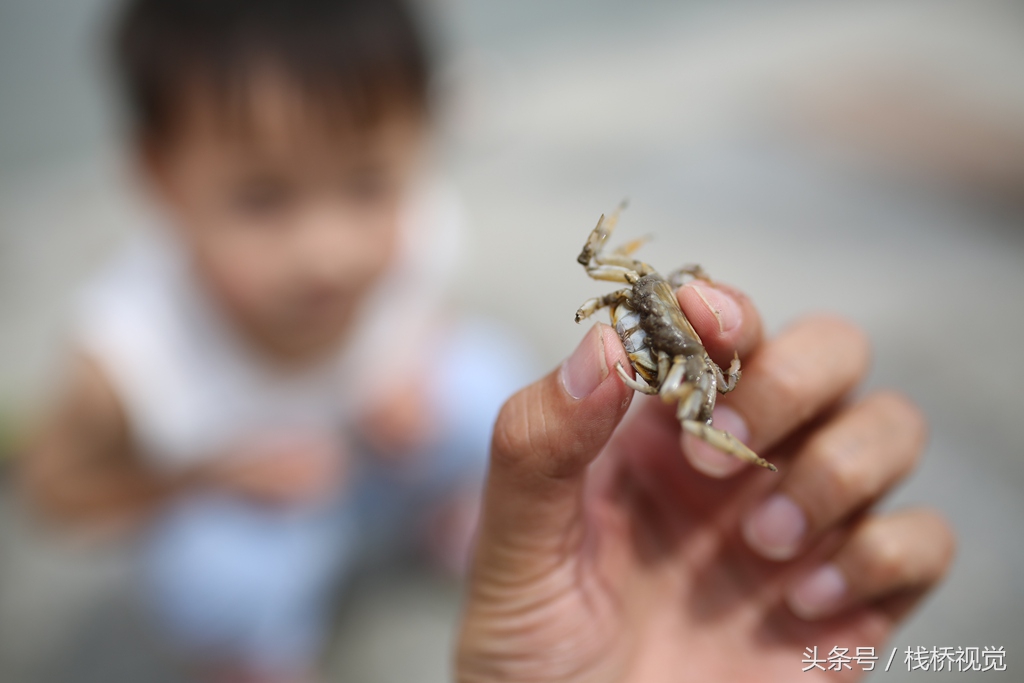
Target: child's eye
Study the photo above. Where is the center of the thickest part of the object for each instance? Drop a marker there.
(262, 198)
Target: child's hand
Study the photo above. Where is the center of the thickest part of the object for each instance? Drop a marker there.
(281, 469)
(662, 561)
(401, 422)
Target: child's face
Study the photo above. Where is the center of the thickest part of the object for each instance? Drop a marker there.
(289, 220)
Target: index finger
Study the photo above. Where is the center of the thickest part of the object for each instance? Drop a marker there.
(724, 318)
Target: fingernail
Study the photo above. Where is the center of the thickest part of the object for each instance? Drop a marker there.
(585, 369)
(818, 594)
(707, 459)
(776, 527)
(721, 305)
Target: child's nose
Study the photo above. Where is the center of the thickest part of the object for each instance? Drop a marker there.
(329, 252)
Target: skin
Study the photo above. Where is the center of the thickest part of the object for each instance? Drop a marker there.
(607, 552)
(289, 216)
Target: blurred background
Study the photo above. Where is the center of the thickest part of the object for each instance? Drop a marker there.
(865, 158)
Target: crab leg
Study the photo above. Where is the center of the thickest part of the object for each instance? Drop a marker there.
(616, 266)
(622, 261)
(613, 273)
(592, 306)
(664, 363)
(675, 278)
(690, 401)
(599, 235)
(628, 248)
(632, 383)
(672, 381)
(727, 381)
(726, 442)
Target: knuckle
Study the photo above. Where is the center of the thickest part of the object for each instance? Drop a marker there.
(941, 539)
(789, 385)
(849, 337)
(949, 546)
(848, 346)
(812, 363)
(885, 557)
(846, 476)
(901, 427)
(523, 438)
(902, 414)
(777, 387)
(512, 440)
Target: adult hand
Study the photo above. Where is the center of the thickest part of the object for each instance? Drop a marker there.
(637, 553)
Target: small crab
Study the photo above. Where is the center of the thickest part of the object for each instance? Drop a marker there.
(662, 345)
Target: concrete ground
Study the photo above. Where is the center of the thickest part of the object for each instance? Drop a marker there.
(783, 145)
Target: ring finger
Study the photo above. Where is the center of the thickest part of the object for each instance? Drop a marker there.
(886, 556)
(842, 468)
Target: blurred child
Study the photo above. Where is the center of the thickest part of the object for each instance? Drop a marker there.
(265, 382)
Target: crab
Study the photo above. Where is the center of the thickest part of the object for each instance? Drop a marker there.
(662, 346)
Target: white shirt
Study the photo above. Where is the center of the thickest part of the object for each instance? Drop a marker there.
(191, 387)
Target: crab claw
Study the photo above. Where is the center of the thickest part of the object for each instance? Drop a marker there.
(726, 442)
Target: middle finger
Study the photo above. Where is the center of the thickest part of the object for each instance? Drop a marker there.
(789, 380)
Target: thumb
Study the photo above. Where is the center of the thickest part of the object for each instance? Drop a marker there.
(545, 437)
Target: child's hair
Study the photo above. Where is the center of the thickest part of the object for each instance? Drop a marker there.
(355, 57)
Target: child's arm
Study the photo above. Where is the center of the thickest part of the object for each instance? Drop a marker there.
(81, 467)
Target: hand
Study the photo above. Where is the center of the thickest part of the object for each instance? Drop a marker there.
(401, 422)
(638, 554)
(280, 469)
